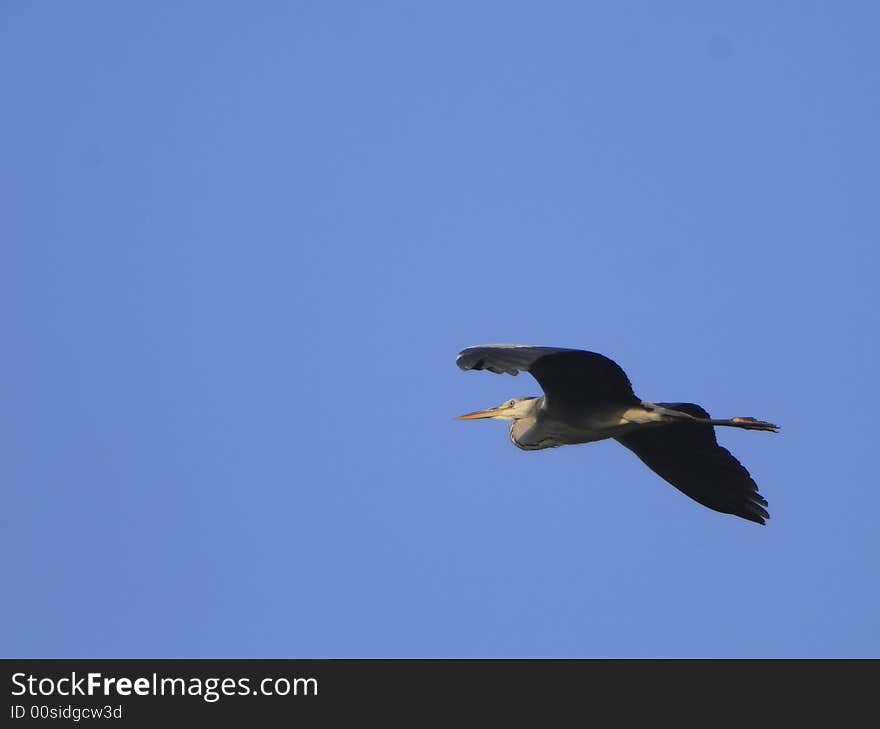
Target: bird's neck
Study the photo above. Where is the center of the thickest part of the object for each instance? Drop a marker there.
(522, 429)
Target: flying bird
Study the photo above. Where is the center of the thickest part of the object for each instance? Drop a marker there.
(588, 397)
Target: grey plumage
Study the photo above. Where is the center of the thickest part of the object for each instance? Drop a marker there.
(588, 397)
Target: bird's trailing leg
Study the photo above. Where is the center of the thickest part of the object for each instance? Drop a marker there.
(746, 423)
(670, 414)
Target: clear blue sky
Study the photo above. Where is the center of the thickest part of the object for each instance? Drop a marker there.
(242, 244)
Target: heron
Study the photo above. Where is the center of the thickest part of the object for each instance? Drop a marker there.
(588, 397)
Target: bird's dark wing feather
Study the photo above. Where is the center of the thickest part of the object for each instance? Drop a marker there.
(503, 358)
(572, 376)
(688, 456)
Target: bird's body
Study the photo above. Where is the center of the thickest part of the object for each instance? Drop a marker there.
(588, 397)
(538, 425)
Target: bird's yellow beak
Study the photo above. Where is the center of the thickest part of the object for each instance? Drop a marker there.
(490, 413)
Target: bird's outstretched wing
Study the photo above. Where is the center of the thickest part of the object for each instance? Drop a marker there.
(570, 376)
(688, 456)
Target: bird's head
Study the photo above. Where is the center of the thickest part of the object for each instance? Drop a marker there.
(514, 409)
